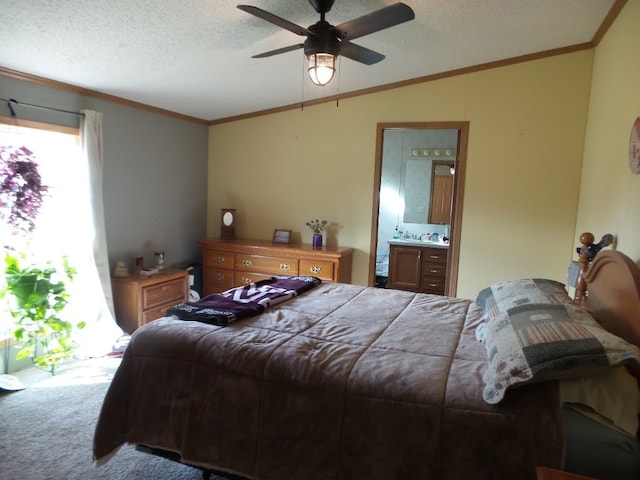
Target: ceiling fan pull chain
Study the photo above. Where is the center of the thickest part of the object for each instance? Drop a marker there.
(302, 86)
(338, 92)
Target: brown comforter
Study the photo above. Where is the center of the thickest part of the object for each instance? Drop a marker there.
(343, 382)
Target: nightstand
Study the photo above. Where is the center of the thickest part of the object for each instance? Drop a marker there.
(139, 299)
(545, 473)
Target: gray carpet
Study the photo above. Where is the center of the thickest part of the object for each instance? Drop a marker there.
(46, 430)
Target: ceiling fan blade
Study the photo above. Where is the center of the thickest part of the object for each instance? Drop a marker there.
(278, 51)
(375, 21)
(321, 6)
(271, 18)
(359, 54)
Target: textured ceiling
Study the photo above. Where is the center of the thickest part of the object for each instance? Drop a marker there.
(194, 56)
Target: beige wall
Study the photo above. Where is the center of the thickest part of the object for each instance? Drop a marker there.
(610, 194)
(527, 125)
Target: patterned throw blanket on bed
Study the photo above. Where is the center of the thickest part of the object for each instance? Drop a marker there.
(227, 307)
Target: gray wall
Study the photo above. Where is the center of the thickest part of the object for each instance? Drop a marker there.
(155, 172)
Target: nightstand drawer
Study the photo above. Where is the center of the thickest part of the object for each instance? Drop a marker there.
(157, 312)
(266, 265)
(153, 295)
(317, 268)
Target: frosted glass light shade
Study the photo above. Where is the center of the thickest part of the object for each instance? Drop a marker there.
(321, 68)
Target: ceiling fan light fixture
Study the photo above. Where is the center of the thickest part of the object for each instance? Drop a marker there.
(322, 67)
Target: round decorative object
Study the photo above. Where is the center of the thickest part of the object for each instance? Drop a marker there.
(228, 224)
(634, 148)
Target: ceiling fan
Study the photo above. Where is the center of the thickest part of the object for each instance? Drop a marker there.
(325, 42)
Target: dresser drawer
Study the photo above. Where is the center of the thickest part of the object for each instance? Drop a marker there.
(158, 293)
(245, 278)
(158, 311)
(266, 265)
(217, 259)
(217, 280)
(317, 268)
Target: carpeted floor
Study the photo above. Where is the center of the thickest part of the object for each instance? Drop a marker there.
(46, 430)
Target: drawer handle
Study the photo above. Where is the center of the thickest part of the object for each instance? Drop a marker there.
(433, 284)
(285, 266)
(219, 259)
(247, 263)
(433, 270)
(315, 269)
(435, 257)
(219, 276)
(245, 280)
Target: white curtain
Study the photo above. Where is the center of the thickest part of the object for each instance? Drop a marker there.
(98, 337)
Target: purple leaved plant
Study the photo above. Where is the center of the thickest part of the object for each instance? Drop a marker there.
(21, 188)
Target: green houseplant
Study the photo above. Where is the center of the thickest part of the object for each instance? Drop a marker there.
(39, 291)
(40, 294)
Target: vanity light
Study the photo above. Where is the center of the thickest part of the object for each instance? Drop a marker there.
(433, 152)
(322, 67)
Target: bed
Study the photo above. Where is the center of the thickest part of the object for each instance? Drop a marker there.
(348, 382)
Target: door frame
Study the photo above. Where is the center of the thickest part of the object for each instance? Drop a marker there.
(455, 227)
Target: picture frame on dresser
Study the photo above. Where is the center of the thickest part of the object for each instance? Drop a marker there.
(138, 264)
(281, 236)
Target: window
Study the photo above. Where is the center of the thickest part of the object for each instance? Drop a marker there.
(63, 226)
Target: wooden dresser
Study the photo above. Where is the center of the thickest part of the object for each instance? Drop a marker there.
(139, 299)
(231, 263)
(418, 269)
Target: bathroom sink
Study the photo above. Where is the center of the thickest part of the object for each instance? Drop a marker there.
(417, 242)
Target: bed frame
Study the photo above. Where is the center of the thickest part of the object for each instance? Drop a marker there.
(614, 294)
(206, 473)
(608, 285)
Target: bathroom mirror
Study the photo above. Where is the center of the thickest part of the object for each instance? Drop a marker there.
(425, 187)
(418, 189)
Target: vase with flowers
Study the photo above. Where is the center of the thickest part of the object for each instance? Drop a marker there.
(317, 227)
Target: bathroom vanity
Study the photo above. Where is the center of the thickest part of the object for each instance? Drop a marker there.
(418, 266)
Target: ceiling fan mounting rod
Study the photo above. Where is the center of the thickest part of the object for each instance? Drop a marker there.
(322, 40)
